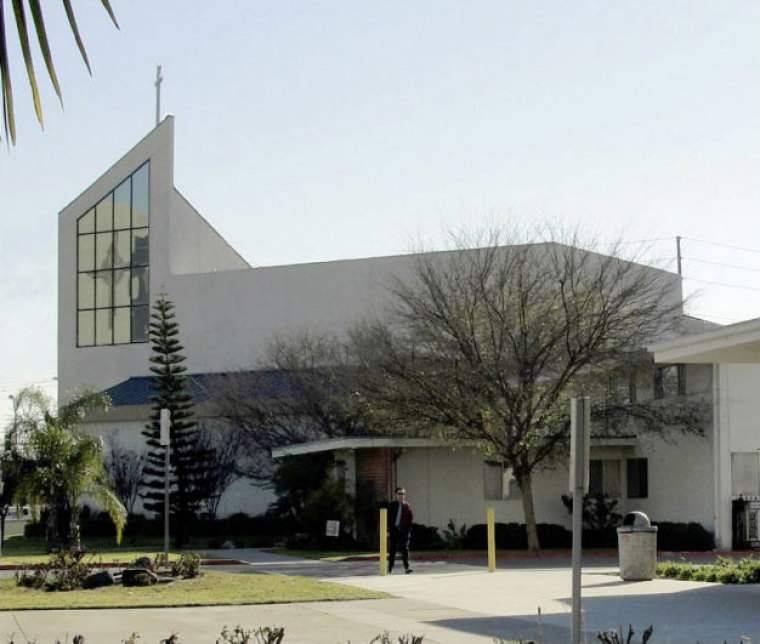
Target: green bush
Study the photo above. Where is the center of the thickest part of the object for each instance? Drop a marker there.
(187, 566)
(725, 570)
(454, 537)
(683, 536)
(425, 537)
(513, 536)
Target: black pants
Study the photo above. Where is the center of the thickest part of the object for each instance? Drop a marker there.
(399, 543)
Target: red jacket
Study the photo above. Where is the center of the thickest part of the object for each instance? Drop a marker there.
(406, 515)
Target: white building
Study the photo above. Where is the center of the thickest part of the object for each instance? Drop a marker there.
(131, 236)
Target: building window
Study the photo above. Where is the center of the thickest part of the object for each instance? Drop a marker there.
(669, 381)
(745, 474)
(604, 477)
(499, 481)
(112, 265)
(637, 477)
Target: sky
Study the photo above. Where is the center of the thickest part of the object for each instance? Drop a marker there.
(323, 130)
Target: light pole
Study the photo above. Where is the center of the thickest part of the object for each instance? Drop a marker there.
(165, 440)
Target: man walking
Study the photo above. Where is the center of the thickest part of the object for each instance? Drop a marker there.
(400, 520)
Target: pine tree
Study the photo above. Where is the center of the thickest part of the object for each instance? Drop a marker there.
(170, 391)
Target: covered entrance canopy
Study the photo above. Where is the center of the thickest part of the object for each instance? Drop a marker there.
(734, 343)
(734, 352)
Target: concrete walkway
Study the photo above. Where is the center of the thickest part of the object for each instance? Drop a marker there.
(447, 602)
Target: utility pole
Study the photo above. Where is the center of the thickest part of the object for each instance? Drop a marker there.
(166, 442)
(678, 255)
(159, 80)
(580, 443)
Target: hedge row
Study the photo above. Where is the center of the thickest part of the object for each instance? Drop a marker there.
(513, 536)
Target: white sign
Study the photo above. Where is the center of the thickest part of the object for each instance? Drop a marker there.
(580, 440)
(332, 528)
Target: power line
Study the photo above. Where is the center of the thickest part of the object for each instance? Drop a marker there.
(711, 243)
(707, 261)
(746, 288)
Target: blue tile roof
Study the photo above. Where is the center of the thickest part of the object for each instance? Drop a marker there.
(137, 390)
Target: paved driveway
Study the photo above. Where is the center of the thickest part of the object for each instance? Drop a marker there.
(447, 602)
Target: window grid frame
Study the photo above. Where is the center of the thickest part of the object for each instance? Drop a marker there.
(128, 270)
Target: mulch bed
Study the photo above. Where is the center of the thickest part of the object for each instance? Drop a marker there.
(117, 564)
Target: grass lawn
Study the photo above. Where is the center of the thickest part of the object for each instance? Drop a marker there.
(210, 589)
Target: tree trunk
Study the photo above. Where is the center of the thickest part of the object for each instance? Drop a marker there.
(51, 530)
(75, 540)
(3, 515)
(526, 488)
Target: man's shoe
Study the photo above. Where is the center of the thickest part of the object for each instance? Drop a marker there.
(408, 570)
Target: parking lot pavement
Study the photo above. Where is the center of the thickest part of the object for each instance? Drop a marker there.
(447, 602)
(528, 597)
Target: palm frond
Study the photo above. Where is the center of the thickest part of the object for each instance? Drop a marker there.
(35, 7)
(23, 37)
(75, 31)
(108, 8)
(9, 122)
(39, 25)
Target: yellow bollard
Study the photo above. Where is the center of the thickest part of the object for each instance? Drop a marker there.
(383, 541)
(491, 542)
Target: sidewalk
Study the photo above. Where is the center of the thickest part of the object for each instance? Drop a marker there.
(447, 602)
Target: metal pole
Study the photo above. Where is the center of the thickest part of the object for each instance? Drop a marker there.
(165, 440)
(383, 541)
(166, 504)
(678, 254)
(579, 410)
(159, 78)
(491, 540)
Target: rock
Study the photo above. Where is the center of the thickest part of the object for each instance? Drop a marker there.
(138, 577)
(143, 562)
(98, 580)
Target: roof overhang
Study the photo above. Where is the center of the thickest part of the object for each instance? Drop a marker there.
(736, 343)
(334, 444)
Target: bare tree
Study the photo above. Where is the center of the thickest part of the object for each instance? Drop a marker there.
(305, 390)
(124, 468)
(221, 448)
(488, 343)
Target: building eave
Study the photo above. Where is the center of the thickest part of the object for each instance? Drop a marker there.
(734, 343)
(334, 444)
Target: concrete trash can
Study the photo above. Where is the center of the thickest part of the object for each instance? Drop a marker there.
(637, 547)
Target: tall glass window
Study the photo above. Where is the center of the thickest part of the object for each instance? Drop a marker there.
(112, 265)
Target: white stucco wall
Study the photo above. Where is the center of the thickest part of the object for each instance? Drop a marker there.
(241, 496)
(737, 419)
(443, 484)
(195, 246)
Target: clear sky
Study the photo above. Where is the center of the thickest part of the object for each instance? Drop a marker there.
(319, 130)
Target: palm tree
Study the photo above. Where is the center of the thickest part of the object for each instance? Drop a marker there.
(67, 465)
(35, 9)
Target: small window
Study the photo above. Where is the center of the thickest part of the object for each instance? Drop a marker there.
(745, 473)
(499, 482)
(669, 381)
(638, 478)
(604, 477)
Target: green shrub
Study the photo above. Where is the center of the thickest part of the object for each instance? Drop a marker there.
(454, 537)
(725, 570)
(63, 571)
(425, 537)
(683, 536)
(187, 566)
(513, 536)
